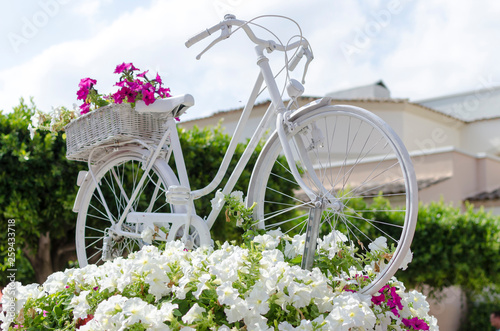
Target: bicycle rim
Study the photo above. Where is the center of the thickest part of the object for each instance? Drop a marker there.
(362, 172)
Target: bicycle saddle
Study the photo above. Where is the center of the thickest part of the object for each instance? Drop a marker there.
(177, 105)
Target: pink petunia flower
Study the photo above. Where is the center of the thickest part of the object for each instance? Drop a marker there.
(378, 299)
(148, 97)
(131, 95)
(120, 95)
(415, 323)
(87, 83)
(84, 108)
(163, 92)
(124, 67)
(82, 94)
(158, 79)
(143, 74)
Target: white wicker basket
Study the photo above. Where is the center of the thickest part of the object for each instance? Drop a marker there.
(111, 124)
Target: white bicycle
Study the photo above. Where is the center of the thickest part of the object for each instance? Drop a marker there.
(335, 155)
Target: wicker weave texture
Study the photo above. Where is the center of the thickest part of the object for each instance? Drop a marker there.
(113, 123)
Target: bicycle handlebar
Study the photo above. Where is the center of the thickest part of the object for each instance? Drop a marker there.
(270, 45)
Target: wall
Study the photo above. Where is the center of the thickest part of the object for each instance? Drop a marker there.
(449, 308)
(482, 137)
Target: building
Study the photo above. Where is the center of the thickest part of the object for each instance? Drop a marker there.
(454, 140)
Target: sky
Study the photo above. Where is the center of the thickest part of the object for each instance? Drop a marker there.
(420, 49)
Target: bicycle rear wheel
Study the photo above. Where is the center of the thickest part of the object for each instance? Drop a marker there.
(350, 159)
(118, 177)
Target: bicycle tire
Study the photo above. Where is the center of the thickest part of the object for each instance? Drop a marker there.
(93, 221)
(353, 139)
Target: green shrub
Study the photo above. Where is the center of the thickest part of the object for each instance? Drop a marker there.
(451, 247)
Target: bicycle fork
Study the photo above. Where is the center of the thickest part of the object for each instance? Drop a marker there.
(312, 234)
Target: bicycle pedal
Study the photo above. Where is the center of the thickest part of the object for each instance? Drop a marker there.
(178, 195)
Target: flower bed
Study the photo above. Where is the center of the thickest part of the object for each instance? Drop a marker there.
(256, 286)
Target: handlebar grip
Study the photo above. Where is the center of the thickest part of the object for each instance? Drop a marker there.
(200, 36)
(203, 34)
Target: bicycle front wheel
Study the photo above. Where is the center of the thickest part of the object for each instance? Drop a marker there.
(117, 179)
(360, 172)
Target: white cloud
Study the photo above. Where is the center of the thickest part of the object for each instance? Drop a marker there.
(422, 51)
(449, 49)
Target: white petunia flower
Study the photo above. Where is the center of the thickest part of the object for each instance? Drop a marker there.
(202, 285)
(296, 247)
(227, 294)
(277, 234)
(157, 279)
(352, 310)
(237, 311)
(257, 299)
(35, 120)
(267, 241)
(407, 260)
(55, 282)
(92, 325)
(300, 294)
(167, 309)
(417, 303)
(378, 244)
(270, 258)
(194, 314)
(331, 241)
(218, 200)
(257, 322)
(134, 309)
(147, 235)
(238, 195)
(181, 289)
(80, 305)
(108, 315)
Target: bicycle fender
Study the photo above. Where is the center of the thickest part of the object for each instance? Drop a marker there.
(314, 105)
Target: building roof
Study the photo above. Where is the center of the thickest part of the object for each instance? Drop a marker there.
(376, 90)
(483, 196)
(333, 101)
(395, 188)
(471, 106)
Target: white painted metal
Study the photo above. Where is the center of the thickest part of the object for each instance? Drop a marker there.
(151, 153)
